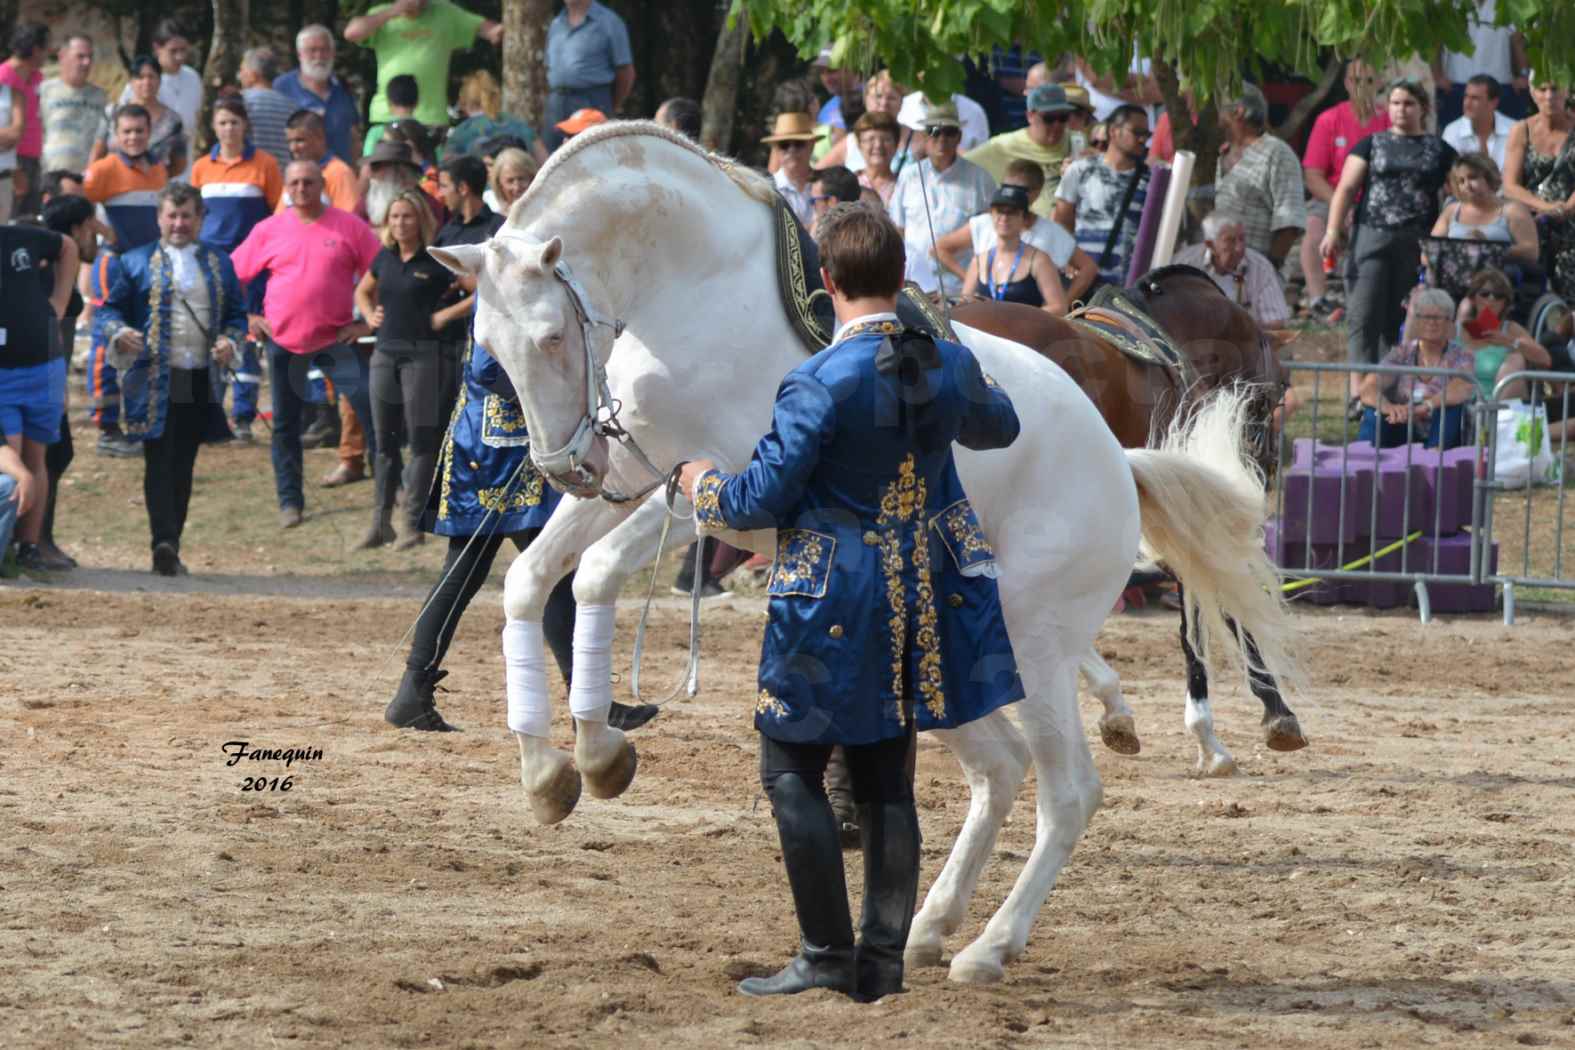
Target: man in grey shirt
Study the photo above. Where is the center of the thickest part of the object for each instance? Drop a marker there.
(589, 64)
(72, 109)
(267, 108)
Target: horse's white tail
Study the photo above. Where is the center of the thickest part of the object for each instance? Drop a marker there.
(1203, 508)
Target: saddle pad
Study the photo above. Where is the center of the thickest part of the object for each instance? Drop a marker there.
(807, 303)
(1113, 317)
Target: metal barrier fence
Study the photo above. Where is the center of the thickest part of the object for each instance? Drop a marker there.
(1367, 524)
(1551, 396)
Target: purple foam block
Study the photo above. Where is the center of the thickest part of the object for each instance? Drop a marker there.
(1399, 480)
(1454, 558)
(1313, 504)
(1380, 594)
(1291, 553)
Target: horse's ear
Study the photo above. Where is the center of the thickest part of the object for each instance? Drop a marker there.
(551, 252)
(460, 258)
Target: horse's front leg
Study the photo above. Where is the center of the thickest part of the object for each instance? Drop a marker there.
(606, 759)
(551, 782)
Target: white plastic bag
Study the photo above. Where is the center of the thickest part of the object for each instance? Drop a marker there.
(1523, 448)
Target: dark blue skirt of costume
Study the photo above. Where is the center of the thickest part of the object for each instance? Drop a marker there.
(485, 479)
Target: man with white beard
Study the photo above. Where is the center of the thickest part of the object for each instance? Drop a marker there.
(315, 87)
(391, 170)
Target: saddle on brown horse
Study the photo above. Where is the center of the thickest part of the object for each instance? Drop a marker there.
(1111, 316)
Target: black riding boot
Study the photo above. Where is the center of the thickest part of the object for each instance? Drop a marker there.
(813, 859)
(414, 706)
(891, 887)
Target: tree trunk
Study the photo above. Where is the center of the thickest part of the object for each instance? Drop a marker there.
(720, 104)
(525, 58)
(1199, 133)
(231, 18)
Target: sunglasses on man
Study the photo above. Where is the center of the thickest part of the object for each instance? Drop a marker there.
(936, 131)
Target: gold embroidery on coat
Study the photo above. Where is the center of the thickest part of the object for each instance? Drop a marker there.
(499, 499)
(960, 526)
(770, 705)
(803, 564)
(158, 276)
(882, 327)
(503, 416)
(708, 506)
(902, 504)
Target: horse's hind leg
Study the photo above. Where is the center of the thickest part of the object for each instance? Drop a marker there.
(1281, 729)
(1069, 792)
(993, 759)
(1213, 759)
(1117, 727)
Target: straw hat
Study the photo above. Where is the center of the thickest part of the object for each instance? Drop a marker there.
(793, 127)
(1077, 95)
(581, 119)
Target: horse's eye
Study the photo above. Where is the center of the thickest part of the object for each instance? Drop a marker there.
(550, 341)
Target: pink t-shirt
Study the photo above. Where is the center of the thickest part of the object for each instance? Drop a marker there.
(32, 141)
(312, 270)
(1334, 134)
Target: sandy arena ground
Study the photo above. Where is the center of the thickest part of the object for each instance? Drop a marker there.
(1404, 882)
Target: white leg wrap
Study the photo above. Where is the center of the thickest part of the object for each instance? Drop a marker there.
(525, 664)
(590, 693)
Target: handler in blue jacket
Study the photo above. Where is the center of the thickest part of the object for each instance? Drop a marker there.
(884, 616)
(172, 320)
(485, 490)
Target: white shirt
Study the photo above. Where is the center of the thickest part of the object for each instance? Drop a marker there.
(863, 319)
(1460, 135)
(955, 196)
(181, 92)
(188, 347)
(1254, 286)
(1491, 55)
(800, 200)
(1045, 234)
(975, 123)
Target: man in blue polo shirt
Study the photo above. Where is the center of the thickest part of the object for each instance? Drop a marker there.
(589, 64)
(313, 86)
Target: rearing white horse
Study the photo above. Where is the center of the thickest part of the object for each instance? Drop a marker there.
(673, 291)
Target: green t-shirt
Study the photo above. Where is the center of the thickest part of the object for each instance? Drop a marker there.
(994, 155)
(421, 46)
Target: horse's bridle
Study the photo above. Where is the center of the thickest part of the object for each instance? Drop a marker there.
(565, 466)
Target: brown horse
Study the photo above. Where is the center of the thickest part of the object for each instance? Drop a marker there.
(1139, 400)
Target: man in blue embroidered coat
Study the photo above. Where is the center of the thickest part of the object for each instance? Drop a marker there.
(172, 319)
(884, 614)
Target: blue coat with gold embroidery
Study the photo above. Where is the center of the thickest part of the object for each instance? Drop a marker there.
(485, 462)
(139, 293)
(883, 591)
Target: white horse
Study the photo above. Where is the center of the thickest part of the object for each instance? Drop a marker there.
(676, 245)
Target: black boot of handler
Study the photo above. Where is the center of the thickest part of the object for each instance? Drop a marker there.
(813, 858)
(891, 887)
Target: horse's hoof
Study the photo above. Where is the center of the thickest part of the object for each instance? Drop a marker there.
(556, 795)
(1217, 766)
(1284, 734)
(967, 970)
(614, 778)
(1119, 733)
(920, 956)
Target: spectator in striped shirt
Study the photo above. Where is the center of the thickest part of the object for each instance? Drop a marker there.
(266, 109)
(127, 182)
(1259, 179)
(241, 185)
(1089, 198)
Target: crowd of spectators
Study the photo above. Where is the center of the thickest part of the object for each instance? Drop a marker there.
(278, 203)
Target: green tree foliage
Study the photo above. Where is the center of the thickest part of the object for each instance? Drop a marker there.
(1212, 43)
